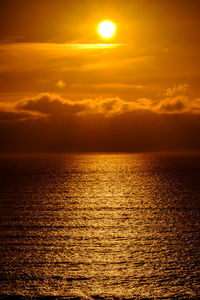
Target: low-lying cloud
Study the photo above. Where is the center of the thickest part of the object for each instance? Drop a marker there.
(9, 112)
(51, 123)
(178, 104)
(52, 105)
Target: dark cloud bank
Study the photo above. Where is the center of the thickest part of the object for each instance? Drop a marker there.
(48, 123)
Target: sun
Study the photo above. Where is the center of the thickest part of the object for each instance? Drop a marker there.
(106, 29)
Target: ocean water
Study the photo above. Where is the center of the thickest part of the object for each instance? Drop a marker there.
(100, 226)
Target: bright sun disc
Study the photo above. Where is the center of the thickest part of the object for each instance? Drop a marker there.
(106, 29)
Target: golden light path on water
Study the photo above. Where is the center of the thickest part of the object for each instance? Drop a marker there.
(106, 225)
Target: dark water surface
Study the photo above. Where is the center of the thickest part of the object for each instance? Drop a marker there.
(109, 225)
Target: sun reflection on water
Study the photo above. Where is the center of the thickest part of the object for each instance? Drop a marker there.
(102, 224)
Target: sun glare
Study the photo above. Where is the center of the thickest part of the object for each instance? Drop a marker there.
(106, 29)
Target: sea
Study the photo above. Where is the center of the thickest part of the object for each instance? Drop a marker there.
(100, 226)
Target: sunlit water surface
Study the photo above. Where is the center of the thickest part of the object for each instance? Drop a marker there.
(109, 225)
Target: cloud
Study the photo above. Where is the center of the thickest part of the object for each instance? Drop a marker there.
(48, 105)
(9, 116)
(51, 105)
(51, 123)
(10, 113)
(111, 86)
(177, 89)
(55, 105)
(37, 56)
(61, 84)
(173, 105)
(178, 104)
(118, 63)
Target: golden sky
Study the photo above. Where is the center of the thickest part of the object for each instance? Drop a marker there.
(55, 66)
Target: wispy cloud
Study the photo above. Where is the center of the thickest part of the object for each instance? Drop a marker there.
(115, 63)
(111, 86)
(33, 56)
(177, 89)
(91, 46)
(61, 84)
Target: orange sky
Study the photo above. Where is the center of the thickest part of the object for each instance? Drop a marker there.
(54, 66)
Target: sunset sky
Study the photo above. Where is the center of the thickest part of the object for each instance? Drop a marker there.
(65, 88)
